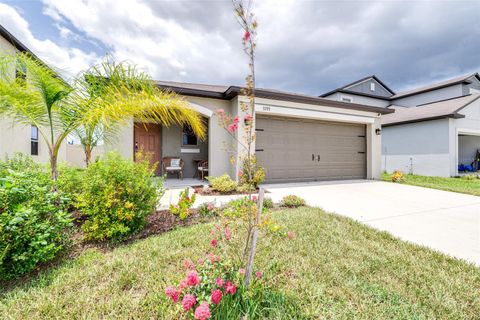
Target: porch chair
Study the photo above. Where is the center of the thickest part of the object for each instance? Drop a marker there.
(202, 169)
(173, 165)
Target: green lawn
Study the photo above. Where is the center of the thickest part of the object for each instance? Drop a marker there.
(335, 268)
(461, 185)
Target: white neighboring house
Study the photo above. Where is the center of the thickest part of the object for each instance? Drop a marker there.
(434, 128)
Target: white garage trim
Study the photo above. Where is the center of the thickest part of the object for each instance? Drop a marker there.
(311, 114)
(464, 131)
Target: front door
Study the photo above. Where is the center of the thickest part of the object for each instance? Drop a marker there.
(148, 141)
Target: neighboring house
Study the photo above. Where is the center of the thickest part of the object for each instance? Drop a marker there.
(434, 128)
(298, 137)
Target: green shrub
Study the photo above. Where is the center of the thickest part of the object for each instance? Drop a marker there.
(117, 196)
(257, 173)
(207, 209)
(267, 203)
(223, 183)
(182, 209)
(69, 183)
(292, 201)
(33, 221)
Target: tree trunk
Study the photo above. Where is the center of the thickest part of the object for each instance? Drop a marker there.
(253, 245)
(53, 167)
(88, 155)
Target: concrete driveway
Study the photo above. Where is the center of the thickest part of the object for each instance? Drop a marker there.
(446, 221)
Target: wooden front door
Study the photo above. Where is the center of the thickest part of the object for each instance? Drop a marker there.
(148, 141)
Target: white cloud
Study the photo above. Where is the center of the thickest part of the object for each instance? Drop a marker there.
(67, 59)
(167, 48)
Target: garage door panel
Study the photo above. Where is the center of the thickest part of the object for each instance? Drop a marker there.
(288, 145)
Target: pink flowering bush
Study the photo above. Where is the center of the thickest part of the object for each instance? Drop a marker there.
(214, 283)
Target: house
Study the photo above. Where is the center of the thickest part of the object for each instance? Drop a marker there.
(298, 137)
(434, 129)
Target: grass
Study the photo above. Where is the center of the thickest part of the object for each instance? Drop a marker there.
(468, 185)
(334, 268)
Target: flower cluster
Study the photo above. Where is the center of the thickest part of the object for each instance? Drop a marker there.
(182, 209)
(204, 286)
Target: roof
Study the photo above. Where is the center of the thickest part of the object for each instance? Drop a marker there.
(432, 111)
(345, 90)
(15, 42)
(438, 85)
(229, 92)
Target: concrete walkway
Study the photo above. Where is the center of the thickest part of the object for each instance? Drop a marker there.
(446, 221)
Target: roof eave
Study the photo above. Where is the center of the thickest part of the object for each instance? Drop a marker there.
(446, 116)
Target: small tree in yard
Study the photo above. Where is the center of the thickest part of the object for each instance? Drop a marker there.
(98, 101)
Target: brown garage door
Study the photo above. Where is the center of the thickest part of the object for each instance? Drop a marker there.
(299, 150)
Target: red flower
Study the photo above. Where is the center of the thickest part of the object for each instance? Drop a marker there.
(173, 293)
(246, 36)
(230, 287)
(183, 284)
(214, 242)
(232, 127)
(219, 282)
(188, 302)
(192, 278)
(202, 312)
(216, 296)
(259, 274)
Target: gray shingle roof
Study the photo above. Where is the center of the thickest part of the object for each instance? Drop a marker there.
(229, 92)
(434, 86)
(437, 110)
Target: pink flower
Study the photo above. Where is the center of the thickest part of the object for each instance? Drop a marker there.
(216, 296)
(254, 198)
(241, 271)
(240, 173)
(213, 258)
(227, 233)
(202, 312)
(219, 282)
(290, 234)
(188, 264)
(259, 274)
(220, 110)
(173, 293)
(230, 287)
(236, 119)
(188, 302)
(248, 117)
(192, 278)
(246, 36)
(210, 207)
(213, 242)
(183, 284)
(232, 127)
(201, 261)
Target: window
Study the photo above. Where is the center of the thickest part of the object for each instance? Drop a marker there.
(188, 137)
(346, 99)
(34, 141)
(372, 86)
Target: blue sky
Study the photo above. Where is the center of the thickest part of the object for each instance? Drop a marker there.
(303, 46)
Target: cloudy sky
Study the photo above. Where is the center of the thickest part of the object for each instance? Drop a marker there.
(303, 46)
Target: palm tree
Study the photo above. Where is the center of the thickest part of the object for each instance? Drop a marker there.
(31, 93)
(114, 93)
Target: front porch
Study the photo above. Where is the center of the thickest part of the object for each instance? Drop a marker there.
(175, 152)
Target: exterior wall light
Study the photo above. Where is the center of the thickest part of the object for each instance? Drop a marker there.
(378, 131)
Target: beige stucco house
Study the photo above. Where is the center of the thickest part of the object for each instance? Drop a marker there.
(298, 137)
